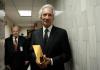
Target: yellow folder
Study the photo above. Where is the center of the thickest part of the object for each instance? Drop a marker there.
(38, 53)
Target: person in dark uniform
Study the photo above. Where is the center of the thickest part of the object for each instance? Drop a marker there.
(15, 50)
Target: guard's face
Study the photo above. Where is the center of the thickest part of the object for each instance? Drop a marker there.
(15, 31)
(47, 17)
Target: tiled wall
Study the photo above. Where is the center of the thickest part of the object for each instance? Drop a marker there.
(2, 45)
(1, 54)
(81, 19)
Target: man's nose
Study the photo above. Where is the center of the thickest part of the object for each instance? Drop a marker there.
(47, 17)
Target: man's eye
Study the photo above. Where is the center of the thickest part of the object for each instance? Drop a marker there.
(44, 14)
(49, 14)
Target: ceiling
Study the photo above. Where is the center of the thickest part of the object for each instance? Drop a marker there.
(12, 7)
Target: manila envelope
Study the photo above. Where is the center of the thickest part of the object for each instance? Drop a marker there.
(38, 53)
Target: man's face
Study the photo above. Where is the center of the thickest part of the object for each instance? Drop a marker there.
(47, 17)
(15, 31)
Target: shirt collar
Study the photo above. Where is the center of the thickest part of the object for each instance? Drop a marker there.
(49, 28)
(14, 37)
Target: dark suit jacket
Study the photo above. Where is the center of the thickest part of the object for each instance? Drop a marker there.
(15, 59)
(57, 48)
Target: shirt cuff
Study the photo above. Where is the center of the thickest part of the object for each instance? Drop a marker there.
(51, 61)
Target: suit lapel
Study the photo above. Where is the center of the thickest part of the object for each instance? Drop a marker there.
(11, 41)
(40, 36)
(19, 41)
(11, 44)
(51, 36)
(39, 39)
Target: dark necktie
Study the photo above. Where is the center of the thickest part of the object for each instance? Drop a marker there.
(15, 43)
(46, 36)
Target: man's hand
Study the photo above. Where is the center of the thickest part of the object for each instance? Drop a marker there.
(47, 60)
(40, 64)
(44, 62)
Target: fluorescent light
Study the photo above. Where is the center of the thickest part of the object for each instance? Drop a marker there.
(24, 12)
(58, 12)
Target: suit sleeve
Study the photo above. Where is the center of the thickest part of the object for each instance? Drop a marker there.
(31, 52)
(65, 51)
(7, 61)
(26, 46)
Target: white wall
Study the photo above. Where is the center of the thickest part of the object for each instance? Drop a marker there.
(8, 24)
(7, 31)
(81, 19)
(1, 45)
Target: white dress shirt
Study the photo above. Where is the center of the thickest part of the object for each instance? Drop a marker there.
(49, 31)
(14, 40)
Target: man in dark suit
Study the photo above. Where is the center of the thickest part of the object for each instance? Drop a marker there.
(15, 50)
(53, 41)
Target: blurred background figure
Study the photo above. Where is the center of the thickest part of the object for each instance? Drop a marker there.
(15, 50)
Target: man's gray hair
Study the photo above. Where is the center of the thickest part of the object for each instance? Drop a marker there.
(46, 6)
